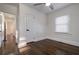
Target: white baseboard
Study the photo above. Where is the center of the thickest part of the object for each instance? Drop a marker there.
(56, 39)
(65, 41)
(22, 44)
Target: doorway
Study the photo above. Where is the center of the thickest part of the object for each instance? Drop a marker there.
(8, 43)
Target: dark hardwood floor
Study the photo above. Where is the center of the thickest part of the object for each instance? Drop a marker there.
(49, 47)
(46, 47)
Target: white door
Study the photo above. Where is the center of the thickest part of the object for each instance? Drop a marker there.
(30, 27)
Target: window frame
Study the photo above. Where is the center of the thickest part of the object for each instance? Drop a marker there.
(67, 24)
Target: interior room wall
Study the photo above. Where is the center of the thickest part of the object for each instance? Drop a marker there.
(37, 24)
(73, 36)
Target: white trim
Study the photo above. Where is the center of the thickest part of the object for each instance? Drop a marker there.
(22, 44)
(65, 41)
(60, 40)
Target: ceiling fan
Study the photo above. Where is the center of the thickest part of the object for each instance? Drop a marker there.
(50, 5)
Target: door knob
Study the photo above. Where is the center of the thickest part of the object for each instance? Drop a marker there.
(27, 30)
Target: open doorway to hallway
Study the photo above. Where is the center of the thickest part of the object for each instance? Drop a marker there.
(8, 33)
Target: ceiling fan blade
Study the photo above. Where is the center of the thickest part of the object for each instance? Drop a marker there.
(38, 4)
(51, 7)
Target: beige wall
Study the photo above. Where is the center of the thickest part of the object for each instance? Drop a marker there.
(10, 24)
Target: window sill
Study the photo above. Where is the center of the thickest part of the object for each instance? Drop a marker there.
(63, 33)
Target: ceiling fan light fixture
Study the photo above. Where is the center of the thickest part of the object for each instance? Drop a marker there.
(47, 4)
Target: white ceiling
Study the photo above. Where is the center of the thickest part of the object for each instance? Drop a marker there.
(42, 8)
(46, 9)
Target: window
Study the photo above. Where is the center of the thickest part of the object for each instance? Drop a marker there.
(61, 24)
